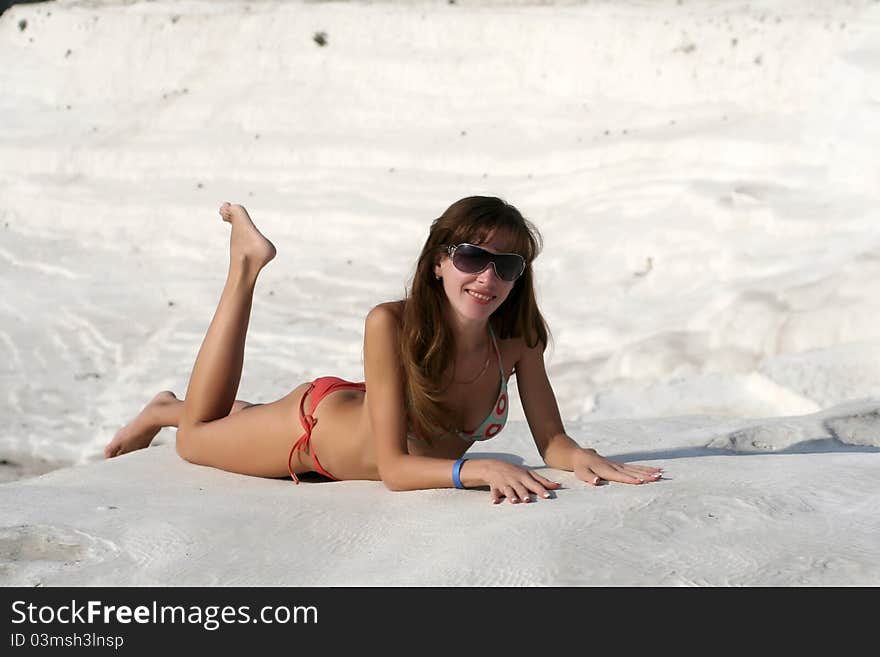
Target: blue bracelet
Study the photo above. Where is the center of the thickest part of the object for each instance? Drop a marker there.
(456, 469)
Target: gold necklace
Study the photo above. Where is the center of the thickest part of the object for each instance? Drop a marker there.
(481, 372)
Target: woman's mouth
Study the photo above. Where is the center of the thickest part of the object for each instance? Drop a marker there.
(480, 298)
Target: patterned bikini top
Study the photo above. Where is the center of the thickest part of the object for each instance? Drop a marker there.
(497, 418)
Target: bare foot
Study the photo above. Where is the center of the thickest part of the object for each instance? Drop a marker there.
(139, 433)
(247, 245)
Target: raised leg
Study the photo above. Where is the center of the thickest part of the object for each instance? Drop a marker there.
(216, 374)
(256, 442)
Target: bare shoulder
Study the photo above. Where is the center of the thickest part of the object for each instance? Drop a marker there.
(387, 315)
(522, 354)
(384, 323)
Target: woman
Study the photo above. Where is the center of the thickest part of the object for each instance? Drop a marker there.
(434, 364)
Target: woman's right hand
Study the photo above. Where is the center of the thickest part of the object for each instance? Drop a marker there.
(513, 482)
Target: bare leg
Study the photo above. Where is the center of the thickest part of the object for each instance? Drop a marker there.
(259, 441)
(216, 374)
(163, 410)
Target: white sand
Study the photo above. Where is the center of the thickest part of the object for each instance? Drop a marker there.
(706, 180)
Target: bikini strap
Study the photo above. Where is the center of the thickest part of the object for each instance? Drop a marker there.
(308, 423)
(497, 352)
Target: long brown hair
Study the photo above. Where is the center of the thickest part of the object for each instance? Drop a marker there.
(427, 344)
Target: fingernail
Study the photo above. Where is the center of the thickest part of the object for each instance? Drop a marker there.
(546, 494)
(596, 480)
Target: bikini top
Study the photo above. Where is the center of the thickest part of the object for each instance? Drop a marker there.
(497, 418)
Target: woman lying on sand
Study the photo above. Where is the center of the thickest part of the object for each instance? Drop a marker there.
(434, 363)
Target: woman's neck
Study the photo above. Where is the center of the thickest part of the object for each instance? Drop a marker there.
(470, 335)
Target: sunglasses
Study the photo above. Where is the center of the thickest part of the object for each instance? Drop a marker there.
(472, 259)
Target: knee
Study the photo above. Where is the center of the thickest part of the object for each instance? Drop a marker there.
(184, 444)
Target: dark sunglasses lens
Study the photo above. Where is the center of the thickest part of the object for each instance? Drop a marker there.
(470, 259)
(509, 267)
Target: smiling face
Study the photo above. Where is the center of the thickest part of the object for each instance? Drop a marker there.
(474, 297)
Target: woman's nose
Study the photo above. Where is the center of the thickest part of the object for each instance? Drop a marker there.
(488, 273)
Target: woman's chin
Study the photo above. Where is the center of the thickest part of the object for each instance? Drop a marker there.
(476, 312)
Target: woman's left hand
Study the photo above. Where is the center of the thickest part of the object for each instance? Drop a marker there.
(590, 467)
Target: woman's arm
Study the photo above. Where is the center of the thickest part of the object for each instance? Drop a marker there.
(386, 406)
(558, 449)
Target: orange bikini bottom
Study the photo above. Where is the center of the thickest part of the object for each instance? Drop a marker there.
(319, 388)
